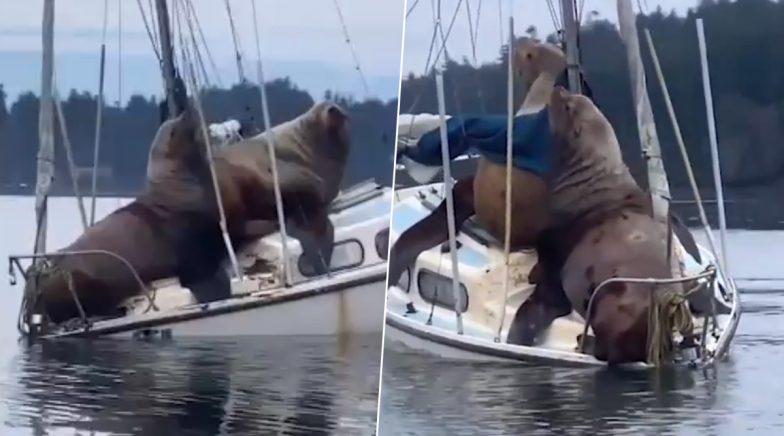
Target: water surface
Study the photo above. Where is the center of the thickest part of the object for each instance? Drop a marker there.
(220, 386)
(424, 395)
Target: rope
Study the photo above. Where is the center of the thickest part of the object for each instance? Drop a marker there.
(189, 21)
(150, 32)
(411, 9)
(99, 111)
(207, 51)
(472, 35)
(237, 48)
(119, 55)
(684, 152)
(508, 193)
(669, 312)
(271, 151)
(191, 74)
(351, 46)
(68, 151)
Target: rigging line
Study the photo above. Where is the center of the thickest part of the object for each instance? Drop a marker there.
(351, 46)
(477, 79)
(446, 54)
(199, 60)
(98, 114)
(555, 18)
(204, 43)
(580, 14)
(271, 150)
(154, 19)
(119, 55)
(153, 41)
(411, 9)
(237, 49)
(448, 32)
(189, 73)
(500, 22)
(68, 150)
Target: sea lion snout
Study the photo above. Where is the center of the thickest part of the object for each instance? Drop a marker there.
(532, 58)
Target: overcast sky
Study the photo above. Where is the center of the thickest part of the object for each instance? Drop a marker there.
(290, 30)
(419, 25)
(300, 38)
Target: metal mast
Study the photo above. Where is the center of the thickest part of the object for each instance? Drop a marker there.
(572, 51)
(45, 164)
(166, 55)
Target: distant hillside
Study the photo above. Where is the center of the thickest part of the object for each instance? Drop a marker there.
(128, 130)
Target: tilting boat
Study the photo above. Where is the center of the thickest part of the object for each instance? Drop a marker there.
(466, 313)
(420, 310)
(350, 299)
(274, 288)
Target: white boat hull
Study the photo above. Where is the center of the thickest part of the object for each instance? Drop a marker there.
(431, 326)
(350, 304)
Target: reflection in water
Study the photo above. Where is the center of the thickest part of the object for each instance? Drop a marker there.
(423, 395)
(246, 386)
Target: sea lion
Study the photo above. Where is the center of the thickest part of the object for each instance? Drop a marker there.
(600, 227)
(170, 229)
(311, 154)
(539, 65)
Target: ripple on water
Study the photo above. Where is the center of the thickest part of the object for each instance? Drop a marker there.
(424, 395)
(288, 385)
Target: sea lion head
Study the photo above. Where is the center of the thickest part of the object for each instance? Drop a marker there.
(533, 57)
(177, 144)
(178, 171)
(580, 128)
(329, 124)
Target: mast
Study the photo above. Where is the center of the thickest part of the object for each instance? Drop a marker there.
(45, 164)
(166, 55)
(649, 140)
(572, 51)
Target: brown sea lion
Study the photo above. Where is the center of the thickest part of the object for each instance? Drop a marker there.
(600, 227)
(539, 65)
(169, 230)
(311, 154)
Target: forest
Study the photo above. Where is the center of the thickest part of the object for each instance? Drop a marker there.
(746, 64)
(747, 74)
(127, 131)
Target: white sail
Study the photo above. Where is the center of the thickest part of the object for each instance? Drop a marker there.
(649, 140)
(45, 164)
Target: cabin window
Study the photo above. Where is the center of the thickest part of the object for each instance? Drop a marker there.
(437, 289)
(345, 255)
(382, 243)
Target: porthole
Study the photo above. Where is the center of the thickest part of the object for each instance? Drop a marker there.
(437, 289)
(345, 255)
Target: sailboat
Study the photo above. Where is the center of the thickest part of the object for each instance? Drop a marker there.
(458, 303)
(287, 297)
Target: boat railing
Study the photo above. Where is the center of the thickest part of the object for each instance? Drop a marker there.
(705, 279)
(15, 260)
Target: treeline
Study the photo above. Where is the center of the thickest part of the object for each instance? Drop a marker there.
(126, 133)
(746, 59)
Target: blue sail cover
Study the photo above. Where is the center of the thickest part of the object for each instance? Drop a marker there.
(486, 134)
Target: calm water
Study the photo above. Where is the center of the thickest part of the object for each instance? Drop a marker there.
(422, 395)
(307, 385)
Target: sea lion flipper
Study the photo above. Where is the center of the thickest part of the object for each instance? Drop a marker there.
(547, 302)
(431, 230)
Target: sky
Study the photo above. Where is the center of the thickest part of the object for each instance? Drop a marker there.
(302, 39)
(419, 24)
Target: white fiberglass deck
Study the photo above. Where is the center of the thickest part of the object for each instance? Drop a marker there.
(481, 269)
